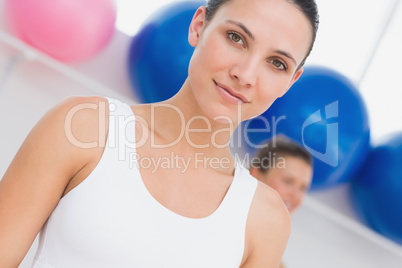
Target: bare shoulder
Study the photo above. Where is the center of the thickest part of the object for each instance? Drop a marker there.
(80, 123)
(85, 120)
(64, 133)
(52, 153)
(268, 214)
(86, 127)
(268, 228)
(268, 202)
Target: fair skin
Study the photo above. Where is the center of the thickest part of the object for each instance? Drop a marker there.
(48, 166)
(290, 181)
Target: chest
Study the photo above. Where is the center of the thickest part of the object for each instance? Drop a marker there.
(181, 183)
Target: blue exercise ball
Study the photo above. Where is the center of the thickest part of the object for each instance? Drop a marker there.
(325, 113)
(377, 189)
(160, 53)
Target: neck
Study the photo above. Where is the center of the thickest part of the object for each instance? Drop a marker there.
(187, 127)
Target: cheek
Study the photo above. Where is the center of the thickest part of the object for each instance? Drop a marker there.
(213, 53)
(262, 101)
(301, 196)
(285, 189)
(273, 84)
(271, 87)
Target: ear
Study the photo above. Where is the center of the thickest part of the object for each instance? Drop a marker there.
(296, 77)
(196, 26)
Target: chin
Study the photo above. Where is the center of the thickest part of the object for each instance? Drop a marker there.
(216, 112)
(221, 115)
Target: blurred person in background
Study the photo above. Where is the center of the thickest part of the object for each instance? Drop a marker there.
(286, 167)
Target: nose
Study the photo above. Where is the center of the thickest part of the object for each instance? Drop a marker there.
(245, 71)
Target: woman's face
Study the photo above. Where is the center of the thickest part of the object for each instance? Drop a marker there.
(246, 56)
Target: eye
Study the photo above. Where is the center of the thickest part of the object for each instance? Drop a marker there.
(236, 38)
(278, 64)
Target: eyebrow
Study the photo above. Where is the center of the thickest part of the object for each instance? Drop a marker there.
(244, 28)
(287, 55)
(247, 31)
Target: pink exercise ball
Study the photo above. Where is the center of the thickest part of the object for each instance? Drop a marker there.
(68, 30)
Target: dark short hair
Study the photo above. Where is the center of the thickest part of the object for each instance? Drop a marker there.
(308, 7)
(280, 146)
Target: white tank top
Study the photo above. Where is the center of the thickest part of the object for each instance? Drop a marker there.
(111, 220)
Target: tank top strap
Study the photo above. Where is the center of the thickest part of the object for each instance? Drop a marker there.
(121, 134)
(242, 189)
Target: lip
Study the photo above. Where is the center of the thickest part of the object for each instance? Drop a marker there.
(229, 94)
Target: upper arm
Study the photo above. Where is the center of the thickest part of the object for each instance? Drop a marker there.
(268, 229)
(39, 172)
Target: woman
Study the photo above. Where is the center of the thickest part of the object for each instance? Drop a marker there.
(117, 205)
